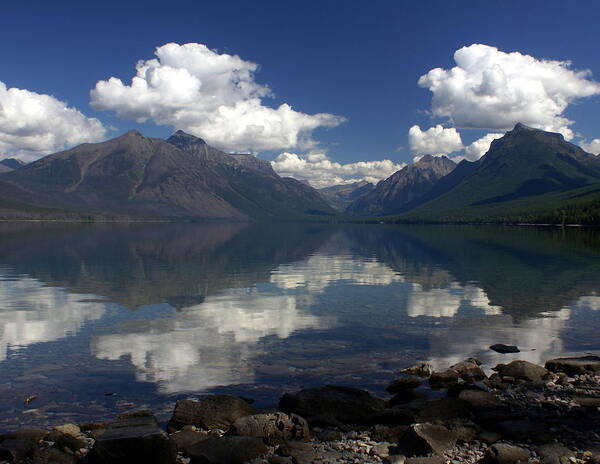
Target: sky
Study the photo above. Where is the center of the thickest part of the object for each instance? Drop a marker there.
(330, 91)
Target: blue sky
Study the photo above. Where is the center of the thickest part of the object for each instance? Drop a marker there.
(356, 60)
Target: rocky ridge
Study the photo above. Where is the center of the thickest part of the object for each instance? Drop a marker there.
(522, 413)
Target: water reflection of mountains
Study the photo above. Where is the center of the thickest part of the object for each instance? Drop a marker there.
(524, 271)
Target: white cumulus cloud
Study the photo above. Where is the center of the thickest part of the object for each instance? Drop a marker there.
(479, 147)
(592, 147)
(491, 89)
(34, 124)
(436, 140)
(212, 95)
(321, 172)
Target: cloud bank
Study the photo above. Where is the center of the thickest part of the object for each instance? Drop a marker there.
(491, 89)
(34, 124)
(321, 172)
(212, 95)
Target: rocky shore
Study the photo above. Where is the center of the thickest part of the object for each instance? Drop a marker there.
(522, 413)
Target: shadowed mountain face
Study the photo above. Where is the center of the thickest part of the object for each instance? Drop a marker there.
(340, 196)
(182, 177)
(523, 164)
(403, 189)
(10, 164)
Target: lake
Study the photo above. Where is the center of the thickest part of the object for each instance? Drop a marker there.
(96, 319)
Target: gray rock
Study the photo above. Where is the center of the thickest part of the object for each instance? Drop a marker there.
(554, 453)
(380, 449)
(227, 450)
(135, 439)
(273, 428)
(209, 412)
(574, 366)
(424, 438)
(403, 383)
(443, 379)
(506, 454)
(522, 370)
(502, 348)
(469, 371)
(344, 404)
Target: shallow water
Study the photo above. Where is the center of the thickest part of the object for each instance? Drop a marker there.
(97, 319)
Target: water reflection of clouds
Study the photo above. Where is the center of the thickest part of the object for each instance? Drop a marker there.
(34, 313)
(208, 345)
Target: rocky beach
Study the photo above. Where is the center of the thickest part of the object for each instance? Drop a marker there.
(521, 413)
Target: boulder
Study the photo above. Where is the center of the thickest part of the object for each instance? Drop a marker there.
(69, 429)
(52, 456)
(574, 366)
(135, 439)
(64, 440)
(522, 370)
(554, 453)
(506, 454)
(424, 438)
(406, 396)
(479, 399)
(443, 379)
(403, 383)
(344, 404)
(227, 450)
(444, 409)
(469, 371)
(272, 428)
(16, 449)
(209, 412)
(502, 348)
(186, 438)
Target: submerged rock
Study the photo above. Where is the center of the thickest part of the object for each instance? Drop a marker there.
(209, 412)
(502, 348)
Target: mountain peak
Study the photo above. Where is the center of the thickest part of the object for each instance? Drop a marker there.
(429, 162)
(181, 137)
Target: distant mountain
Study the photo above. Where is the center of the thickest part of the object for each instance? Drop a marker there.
(137, 176)
(10, 164)
(340, 196)
(528, 170)
(403, 189)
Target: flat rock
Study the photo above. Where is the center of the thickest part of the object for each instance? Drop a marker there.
(135, 439)
(344, 404)
(403, 383)
(502, 348)
(273, 428)
(209, 412)
(574, 366)
(503, 453)
(227, 450)
(424, 438)
(522, 370)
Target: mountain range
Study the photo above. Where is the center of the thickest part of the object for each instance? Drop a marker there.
(137, 176)
(528, 175)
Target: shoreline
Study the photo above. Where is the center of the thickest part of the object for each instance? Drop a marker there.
(521, 413)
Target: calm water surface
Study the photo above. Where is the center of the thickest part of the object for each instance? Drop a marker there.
(97, 319)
